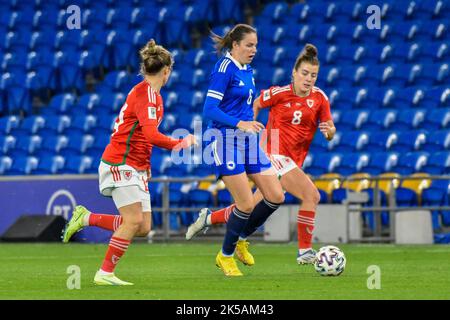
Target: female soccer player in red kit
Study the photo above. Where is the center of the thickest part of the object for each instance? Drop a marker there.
(125, 166)
(296, 111)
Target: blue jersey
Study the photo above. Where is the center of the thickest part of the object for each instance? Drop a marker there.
(230, 94)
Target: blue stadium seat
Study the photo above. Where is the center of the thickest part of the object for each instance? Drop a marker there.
(438, 163)
(353, 120)
(17, 100)
(407, 141)
(77, 164)
(381, 162)
(23, 165)
(274, 12)
(113, 82)
(380, 141)
(60, 104)
(435, 196)
(52, 145)
(50, 165)
(409, 119)
(437, 141)
(381, 120)
(410, 162)
(110, 102)
(437, 119)
(5, 164)
(406, 197)
(81, 124)
(7, 143)
(26, 145)
(8, 123)
(352, 163)
(324, 163)
(224, 198)
(86, 104)
(351, 141)
(56, 124)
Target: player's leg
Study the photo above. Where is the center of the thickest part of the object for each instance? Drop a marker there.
(207, 218)
(128, 202)
(297, 183)
(272, 197)
(82, 217)
(240, 190)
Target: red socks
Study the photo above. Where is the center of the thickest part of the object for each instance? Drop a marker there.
(305, 228)
(105, 221)
(116, 249)
(221, 216)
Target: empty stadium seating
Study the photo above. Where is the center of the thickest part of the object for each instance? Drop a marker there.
(389, 88)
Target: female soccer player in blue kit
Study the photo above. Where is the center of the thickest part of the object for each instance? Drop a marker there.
(237, 156)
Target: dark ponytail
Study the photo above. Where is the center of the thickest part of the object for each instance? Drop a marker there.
(309, 55)
(236, 34)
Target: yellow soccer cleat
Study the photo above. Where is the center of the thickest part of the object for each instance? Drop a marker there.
(227, 265)
(101, 279)
(243, 254)
(75, 224)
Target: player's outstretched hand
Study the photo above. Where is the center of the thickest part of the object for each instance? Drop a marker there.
(250, 126)
(325, 128)
(190, 140)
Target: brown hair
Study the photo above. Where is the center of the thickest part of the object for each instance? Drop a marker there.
(236, 34)
(154, 57)
(309, 55)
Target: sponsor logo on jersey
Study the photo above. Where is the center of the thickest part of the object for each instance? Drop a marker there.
(241, 83)
(310, 103)
(266, 95)
(152, 113)
(231, 165)
(128, 174)
(298, 104)
(287, 105)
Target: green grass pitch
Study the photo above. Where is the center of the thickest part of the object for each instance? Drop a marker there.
(187, 271)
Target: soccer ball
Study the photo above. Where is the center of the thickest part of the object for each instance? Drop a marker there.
(330, 261)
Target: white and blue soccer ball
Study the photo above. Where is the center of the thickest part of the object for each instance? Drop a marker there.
(330, 261)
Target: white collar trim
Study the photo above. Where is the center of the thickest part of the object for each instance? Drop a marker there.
(240, 66)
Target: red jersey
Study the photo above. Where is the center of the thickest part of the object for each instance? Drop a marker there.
(296, 118)
(135, 130)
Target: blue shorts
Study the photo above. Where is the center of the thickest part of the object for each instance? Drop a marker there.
(239, 152)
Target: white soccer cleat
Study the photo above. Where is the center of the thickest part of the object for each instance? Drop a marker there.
(307, 257)
(201, 224)
(102, 279)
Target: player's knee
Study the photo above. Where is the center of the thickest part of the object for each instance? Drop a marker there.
(312, 197)
(277, 197)
(246, 206)
(133, 224)
(144, 230)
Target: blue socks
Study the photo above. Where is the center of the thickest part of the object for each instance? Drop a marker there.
(236, 223)
(258, 217)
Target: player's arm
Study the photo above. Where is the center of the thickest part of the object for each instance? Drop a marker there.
(326, 126)
(328, 129)
(256, 107)
(264, 100)
(149, 123)
(218, 85)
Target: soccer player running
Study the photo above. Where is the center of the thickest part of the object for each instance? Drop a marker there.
(296, 111)
(124, 170)
(237, 155)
